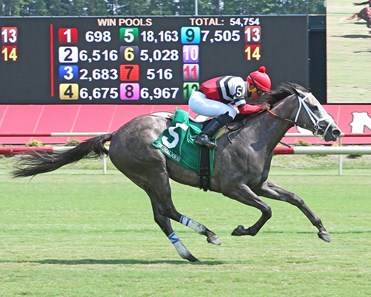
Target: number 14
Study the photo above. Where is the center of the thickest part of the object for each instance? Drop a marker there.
(9, 53)
(252, 52)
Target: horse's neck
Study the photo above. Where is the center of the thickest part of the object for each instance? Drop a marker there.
(276, 128)
(286, 111)
(270, 129)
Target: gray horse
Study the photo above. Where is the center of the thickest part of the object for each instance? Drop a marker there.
(242, 161)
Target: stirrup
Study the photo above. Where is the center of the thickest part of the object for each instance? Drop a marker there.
(203, 139)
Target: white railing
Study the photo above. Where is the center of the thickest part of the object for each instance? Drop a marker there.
(334, 150)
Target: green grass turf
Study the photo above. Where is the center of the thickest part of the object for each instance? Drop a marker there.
(80, 233)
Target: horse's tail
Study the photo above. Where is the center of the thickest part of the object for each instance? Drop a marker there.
(35, 162)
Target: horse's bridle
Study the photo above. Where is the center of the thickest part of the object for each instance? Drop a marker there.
(315, 120)
(313, 117)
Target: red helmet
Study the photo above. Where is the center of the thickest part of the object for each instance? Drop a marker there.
(260, 79)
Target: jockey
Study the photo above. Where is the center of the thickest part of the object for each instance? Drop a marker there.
(224, 97)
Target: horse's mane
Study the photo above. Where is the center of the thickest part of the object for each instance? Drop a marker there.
(283, 91)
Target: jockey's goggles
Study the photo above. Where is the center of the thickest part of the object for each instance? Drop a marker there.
(253, 88)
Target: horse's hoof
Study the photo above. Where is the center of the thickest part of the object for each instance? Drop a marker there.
(193, 259)
(324, 236)
(214, 240)
(240, 230)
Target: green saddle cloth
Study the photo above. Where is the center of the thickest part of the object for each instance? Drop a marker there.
(177, 142)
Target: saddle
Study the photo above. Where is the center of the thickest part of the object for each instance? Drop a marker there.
(203, 120)
(178, 144)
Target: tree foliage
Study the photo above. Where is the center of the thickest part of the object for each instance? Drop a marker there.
(158, 7)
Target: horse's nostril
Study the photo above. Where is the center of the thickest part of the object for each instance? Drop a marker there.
(336, 132)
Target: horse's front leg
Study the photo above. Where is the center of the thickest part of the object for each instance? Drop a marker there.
(199, 228)
(273, 191)
(245, 195)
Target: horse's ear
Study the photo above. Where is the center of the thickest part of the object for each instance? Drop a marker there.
(296, 89)
(292, 87)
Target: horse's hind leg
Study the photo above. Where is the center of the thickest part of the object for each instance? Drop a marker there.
(271, 190)
(162, 218)
(165, 225)
(165, 206)
(201, 229)
(164, 209)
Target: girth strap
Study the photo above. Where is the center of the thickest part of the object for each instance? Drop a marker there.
(204, 168)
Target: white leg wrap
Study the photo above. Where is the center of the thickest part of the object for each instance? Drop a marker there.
(192, 224)
(179, 246)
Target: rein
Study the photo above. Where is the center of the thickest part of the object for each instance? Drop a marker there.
(312, 116)
(302, 105)
(273, 115)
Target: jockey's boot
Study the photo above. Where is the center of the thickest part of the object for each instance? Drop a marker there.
(215, 124)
